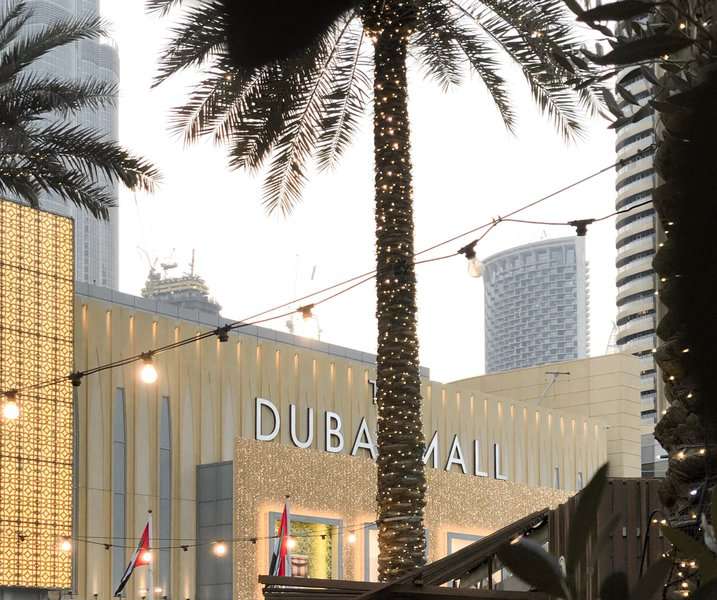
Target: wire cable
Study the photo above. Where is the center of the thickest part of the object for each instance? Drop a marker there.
(355, 282)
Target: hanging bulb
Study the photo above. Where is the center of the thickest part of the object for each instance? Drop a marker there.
(475, 266)
(305, 323)
(352, 538)
(146, 557)
(291, 543)
(10, 407)
(65, 545)
(148, 372)
(219, 549)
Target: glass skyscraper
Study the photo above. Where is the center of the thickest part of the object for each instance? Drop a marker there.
(96, 242)
(536, 304)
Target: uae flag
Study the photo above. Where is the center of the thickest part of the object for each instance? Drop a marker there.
(281, 547)
(142, 557)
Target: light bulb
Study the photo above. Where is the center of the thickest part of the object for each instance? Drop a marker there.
(146, 556)
(352, 538)
(475, 267)
(65, 545)
(291, 543)
(219, 549)
(158, 590)
(10, 408)
(148, 372)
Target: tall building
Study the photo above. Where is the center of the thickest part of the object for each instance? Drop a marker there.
(536, 304)
(637, 239)
(96, 242)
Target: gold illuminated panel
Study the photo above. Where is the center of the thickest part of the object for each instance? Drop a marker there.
(36, 337)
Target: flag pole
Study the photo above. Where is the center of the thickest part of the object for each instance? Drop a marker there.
(288, 535)
(150, 564)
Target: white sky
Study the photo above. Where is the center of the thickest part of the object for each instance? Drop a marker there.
(467, 171)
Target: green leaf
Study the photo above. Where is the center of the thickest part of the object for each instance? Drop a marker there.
(637, 116)
(584, 522)
(533, 565)
(574, 7)
(614, 587)
(688, 547)
(617, 11)
(652, 581)
(636, 51)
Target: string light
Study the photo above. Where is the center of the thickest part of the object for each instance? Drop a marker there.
(351, 538)
(10, 407)
(148, 372)
(222, 333)
(219, 549)
(147, 556)
(65, 545)
(291, 543)
(475, 267)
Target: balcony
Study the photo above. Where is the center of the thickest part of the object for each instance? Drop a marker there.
(646, 323)
(639, 245)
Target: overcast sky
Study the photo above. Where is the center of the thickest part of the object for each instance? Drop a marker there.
(467, 169)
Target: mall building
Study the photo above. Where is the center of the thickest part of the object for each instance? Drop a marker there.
(232, 428)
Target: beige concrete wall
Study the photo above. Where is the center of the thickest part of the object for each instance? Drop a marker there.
(212, 389)
(606, 388)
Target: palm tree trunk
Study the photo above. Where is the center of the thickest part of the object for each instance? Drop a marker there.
(401, 478)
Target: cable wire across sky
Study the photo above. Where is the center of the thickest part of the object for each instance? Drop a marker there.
(347, 285)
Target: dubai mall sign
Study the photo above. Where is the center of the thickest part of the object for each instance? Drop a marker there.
(268, 425)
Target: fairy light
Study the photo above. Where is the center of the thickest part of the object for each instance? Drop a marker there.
(351, 538)
(291, 543)
(65, 545)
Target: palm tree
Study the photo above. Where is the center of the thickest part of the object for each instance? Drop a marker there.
(40, 150)
(288, 81)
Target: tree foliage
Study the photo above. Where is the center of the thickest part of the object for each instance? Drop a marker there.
(40, 150)
(296, 106)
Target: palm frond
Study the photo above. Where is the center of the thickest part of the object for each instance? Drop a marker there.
(346, 102)
(537, 37)
(32, 95)
(473, 48)
(12, 20)
(92, 154)
(162, 7)
(436, 50)
(200, 34)
(25, 51)
(286, 175)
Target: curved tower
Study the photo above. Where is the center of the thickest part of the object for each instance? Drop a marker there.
(636, 244)
(96, 242)
(536, 304)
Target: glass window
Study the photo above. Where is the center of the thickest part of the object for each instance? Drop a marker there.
(316, 548)
(119, 485)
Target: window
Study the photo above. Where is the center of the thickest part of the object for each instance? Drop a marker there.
(119, 486)
(165, 495)
(458, 541)
(317, 553)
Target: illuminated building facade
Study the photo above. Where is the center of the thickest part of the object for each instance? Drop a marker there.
(36, 439)
(222, 416)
